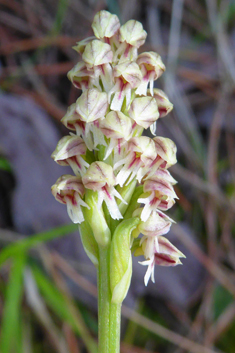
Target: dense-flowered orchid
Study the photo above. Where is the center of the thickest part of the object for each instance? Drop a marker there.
(121, 177)
(122, 185)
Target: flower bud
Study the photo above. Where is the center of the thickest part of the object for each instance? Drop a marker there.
(105, 25)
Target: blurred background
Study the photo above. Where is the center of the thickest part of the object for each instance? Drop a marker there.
(47, 284)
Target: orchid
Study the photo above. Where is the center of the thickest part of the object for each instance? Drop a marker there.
(121, 185)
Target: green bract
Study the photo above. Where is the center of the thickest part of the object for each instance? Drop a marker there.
(120, 259)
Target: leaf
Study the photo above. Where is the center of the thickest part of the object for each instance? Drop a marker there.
(11, 328)
(35, 240)
(57, 302)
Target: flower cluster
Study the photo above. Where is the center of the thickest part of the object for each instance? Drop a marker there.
(106, 150)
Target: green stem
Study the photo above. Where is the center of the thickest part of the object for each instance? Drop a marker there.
(109, 313)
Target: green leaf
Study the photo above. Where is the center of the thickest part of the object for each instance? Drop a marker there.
(60, 15)
(11, 328)
(65, 310)
(222, 298)
(53, 297)
(35, 240)
(5, 165)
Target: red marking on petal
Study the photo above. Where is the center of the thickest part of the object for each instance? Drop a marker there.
(106, 192)
(163, 165)
(127, 50)
(119, 146)
(162, 111)
(154, 201)
(74, 159)
(134, 125)
(163, 258)
(155, 161)
(70, 126)
(133, 162)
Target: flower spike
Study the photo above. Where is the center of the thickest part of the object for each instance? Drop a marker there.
(122, 186)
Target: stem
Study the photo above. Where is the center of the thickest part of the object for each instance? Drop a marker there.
(109, 313)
